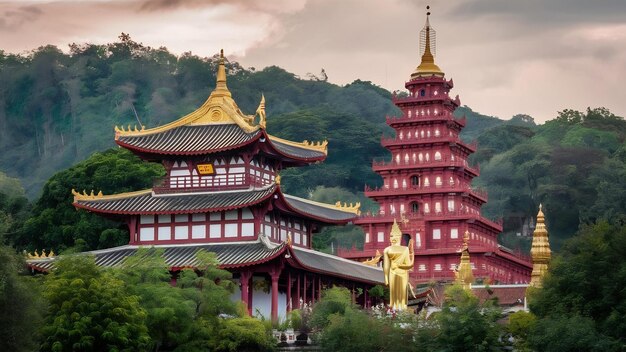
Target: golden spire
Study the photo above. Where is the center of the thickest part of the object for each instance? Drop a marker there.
(395, 231)
(464, 275)
(427, 67)
(540, 250)
(220, 87)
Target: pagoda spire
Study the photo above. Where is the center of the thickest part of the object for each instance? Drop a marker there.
(464, 275)
(221, 89)
(427, 67)
(540, 251)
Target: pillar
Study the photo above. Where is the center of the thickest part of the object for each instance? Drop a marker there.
(298, 296)
(289, 298)
(304, 289)
(275, 275)
(246, 290)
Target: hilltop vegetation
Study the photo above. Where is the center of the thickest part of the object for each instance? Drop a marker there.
(57, 109)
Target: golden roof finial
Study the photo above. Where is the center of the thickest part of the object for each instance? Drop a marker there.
(427, 67)
(220, 87)
(463, 273)
(261, 112)
(540, 250)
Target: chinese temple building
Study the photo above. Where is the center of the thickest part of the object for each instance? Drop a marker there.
(222, 193)
(427, 186)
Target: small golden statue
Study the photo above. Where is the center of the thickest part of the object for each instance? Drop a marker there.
(397, 261)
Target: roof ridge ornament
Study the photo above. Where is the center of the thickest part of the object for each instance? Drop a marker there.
(352, 207)
(261, 112)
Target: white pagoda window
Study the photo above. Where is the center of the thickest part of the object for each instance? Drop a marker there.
(454, 233)
(426, 208)
(436, 111)
(451, 181)
(380, 236)
(367, 237)
(436, 234)
(437, 207)
(406, 158)
(438, 181)
(417, 113)
(397, 158)
(437, 267)
(437, 133)
(418, 240)
(404, 183)
(451, 205)
(421, 157)
(409, 135)
(395, 183)
(401, 135)
(422, 133)
(426, 182)
(421, 267)
(437, 156)
(414, 157)
(410, 114)
(427, 156)
(436, 92)
(146, 234)
(417, 133)
(428, 133)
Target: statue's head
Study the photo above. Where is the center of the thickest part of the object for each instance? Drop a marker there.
(396, 235)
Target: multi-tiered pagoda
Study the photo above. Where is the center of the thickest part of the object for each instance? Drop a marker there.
(222, 193)
(427, 186)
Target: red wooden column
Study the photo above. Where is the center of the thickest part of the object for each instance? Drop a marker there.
(289, 298)
(298, 296)
(275, 275)
(365, 299)
(246, 290)
(319, 288)
(304, 288)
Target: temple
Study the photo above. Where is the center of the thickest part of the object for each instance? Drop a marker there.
(222, 193)
(427, 187)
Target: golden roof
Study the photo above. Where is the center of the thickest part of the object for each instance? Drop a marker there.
(427, 67)
(220, 108)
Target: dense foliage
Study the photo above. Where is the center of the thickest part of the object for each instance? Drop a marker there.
(585, 290)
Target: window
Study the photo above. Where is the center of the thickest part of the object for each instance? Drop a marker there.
(146, 234)
(426, 208)
(165, 219)
(421, 267)
(401, 135)
(437, 267)
(437, 207)
(395, 183)
(406, 158)
(165, 233)
(428, 132)
(438, 181)
(422, 93)
(231, 230)
(454, 233)
(410, 114)
(180, 232)
(147, 219)
(381, 236)
(367, 237)
(427, 156)
(421, 157)
(404, 184)
(436, 234)
(426, 182)
(418, 240)
(198, 231)
(451, 181)
(415, 207)
(415, 181)
(247, 229)
(437, 156)
(450, 204)
(397, 158)
(437, 133)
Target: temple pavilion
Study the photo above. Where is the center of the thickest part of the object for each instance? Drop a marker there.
(222, 193)
(427, 187)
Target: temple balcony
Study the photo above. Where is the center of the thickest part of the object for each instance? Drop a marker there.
(388, 165)
(395, 141)
(180, 184)
(400, 120)
(416, 190)
(419, 99)
(377, 217)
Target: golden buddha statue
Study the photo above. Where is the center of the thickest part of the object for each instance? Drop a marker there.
(397, 261)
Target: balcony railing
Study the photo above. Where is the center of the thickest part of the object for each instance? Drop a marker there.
(434, 117)
(179, 184)
(382, 164)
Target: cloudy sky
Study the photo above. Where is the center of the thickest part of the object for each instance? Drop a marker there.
(506, 56)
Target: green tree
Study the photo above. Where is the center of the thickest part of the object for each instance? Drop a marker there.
(467, 325)
(21, 306)
(586, 283)
(57, 225)
(91, 310)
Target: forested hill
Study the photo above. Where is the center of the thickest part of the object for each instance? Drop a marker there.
(57, 109)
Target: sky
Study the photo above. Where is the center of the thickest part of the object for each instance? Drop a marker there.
(506, 57)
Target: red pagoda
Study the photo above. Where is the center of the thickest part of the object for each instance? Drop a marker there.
(427, 186)
(221, 193)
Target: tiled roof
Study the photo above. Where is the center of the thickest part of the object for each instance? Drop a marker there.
(507, 295)
(319, 210)
(233, 255)
(149, 203)
(229, 255)
(337, 266)
(296, 151)
(190, 139)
